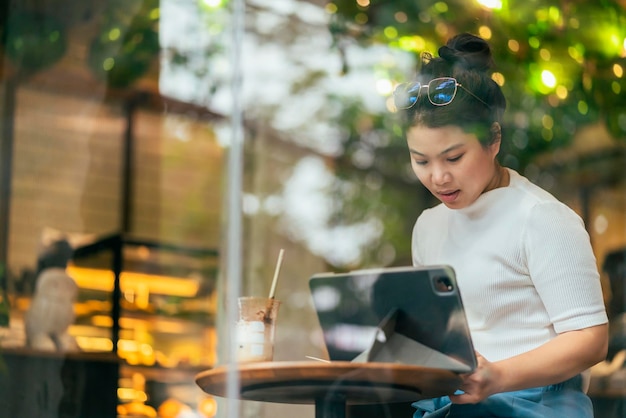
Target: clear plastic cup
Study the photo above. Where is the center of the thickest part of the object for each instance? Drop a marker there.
(256, 328)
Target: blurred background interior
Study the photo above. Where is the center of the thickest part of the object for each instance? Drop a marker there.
(116, 122)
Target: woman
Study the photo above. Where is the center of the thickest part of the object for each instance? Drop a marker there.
(524, 262)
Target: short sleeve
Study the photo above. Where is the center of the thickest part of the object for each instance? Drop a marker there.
(563, 267)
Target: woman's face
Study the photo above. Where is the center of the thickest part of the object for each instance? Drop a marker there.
(452, 164)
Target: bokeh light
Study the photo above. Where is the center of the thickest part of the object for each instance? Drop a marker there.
(577, 53)
(485, 32)
(498, 78)
(212, 4)
(400, 17)
(562, 92)
(390, 32)
(545, 54)
(384, 87)
(616, 87)
(412, 43)
(491, 4)
(548, 78)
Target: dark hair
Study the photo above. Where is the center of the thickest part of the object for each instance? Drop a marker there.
(57, 255)
(468, 59)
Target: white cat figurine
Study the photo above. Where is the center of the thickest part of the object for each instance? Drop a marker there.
(51, 312)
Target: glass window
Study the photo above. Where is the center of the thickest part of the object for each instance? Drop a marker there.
(157, 156)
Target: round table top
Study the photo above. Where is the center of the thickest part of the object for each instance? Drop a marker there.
(304, 382)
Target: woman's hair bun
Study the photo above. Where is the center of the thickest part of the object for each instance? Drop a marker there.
(468, 50)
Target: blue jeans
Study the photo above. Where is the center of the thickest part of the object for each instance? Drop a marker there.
(561, 400)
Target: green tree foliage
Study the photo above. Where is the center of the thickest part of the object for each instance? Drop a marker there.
(560, 65)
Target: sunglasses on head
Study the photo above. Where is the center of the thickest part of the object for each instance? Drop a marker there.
(441, 91)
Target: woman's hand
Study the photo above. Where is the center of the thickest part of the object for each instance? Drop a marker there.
(479, 384)
(563, 357)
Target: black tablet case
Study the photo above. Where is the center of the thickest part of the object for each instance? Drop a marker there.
(413, 315)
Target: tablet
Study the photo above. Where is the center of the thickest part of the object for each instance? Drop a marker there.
(409, 315)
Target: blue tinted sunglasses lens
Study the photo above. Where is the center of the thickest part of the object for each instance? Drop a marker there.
(442, 92)
(406, 95)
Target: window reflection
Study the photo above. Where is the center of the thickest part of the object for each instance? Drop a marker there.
(114, 120)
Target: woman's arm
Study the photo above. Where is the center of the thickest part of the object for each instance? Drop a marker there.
(565, 356)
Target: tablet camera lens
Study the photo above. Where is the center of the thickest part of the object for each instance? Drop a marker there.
(443, 284)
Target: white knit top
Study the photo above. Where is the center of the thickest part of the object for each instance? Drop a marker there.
(524, 265)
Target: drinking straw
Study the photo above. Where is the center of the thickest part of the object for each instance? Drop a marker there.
(268, 311)
(276, 272)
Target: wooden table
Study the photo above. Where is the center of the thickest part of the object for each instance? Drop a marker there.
(330, 386)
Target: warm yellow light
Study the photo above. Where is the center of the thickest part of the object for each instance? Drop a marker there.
(545, 54)
(548, 79)
(146, 349)
(363, 3)
(485, 32)
(129, 394)
(561, 92)
(513, 45)
(128, 346)
(125, 394)
(133, 323)
(102, 280)
(491, 4)
(135, 352)
(142, 295)
(102, 321)
(618, 70)
(498, 78)
(173, 408)
(94, 343)
(170, 327)
(208, 407)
